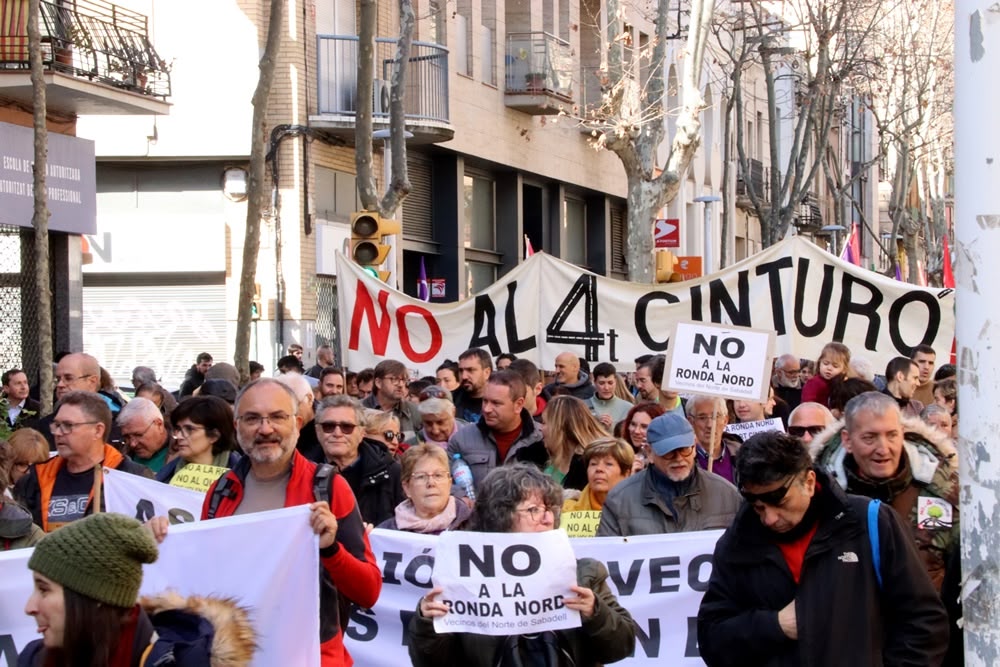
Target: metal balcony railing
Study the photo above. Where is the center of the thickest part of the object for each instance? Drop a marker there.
(810, 215)
(89, 39)
(756, 177)
(538, 62)
(426, 78)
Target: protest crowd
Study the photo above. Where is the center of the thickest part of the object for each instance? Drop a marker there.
(837, 495)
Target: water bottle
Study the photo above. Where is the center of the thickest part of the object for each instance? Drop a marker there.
(462, 474)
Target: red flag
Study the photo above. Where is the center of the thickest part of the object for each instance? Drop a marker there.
(947, 277)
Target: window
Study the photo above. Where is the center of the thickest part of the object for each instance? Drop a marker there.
(435, 27)
(336, 195)
(478, 276)
(463, 43)
(479, 224)
(575, 231)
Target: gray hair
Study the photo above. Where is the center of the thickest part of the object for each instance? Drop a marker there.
(505, 488)
(870, 401)
(139, 408)
(934, 409)
(718, 403)
(342, 401)
(436, 406)
(298, 384)
(784, 359)
(862, 368)
(144, 374)
(262, 382)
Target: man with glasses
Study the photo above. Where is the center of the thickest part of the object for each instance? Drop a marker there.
(787, 381)
(63, 489)
(389, 395)
(709, 416)
(808, 420)
(144, 433)
(672, 495)
(80, 372)
(369, 469)
(273, 475)
(795, 580)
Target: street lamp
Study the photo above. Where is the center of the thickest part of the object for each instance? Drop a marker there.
(708, 200)
(384, 135)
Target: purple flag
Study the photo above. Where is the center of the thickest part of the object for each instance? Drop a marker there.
(899, 275)
(423, 287)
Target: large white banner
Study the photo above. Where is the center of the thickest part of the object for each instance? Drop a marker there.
(277, 578)
(545, 306)
(660, 579)
(142, 498)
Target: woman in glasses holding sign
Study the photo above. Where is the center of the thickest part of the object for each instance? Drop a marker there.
(520, 498)
(205, 436)
(429, 507)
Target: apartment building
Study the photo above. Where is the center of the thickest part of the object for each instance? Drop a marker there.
(99, 58)
(491, 162)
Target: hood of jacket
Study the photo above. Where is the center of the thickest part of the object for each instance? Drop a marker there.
(925, 447)
(581, 380)
(374, 459)
(234, 640)
(15, 521)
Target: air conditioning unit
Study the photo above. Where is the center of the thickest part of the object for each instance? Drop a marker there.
(380, 96)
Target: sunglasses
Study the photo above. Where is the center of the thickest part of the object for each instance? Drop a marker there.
(434, 391)
(799, 431)
(392, 435)
(329, 428)
(772, 498)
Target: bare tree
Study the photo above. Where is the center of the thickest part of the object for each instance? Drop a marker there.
(40, 216)
(256, 188)
(399, 187)
(629, 121)
(815, 47)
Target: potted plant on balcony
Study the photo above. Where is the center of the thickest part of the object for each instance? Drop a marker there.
(534, 81)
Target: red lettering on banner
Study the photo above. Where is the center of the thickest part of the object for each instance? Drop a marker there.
(404, 334)
(364, 307)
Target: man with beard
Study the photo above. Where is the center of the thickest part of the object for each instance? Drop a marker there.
(273, 475)
(786, 381)
(809, 575)
(474, 368)
(649, 380)
(389, 395)
(672, 495)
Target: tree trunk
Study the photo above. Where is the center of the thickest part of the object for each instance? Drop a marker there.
(40, 216)
(256, 188)
(363, 124)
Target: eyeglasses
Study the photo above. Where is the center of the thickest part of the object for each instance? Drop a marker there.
(22, 465)
(187, 430)
(704, 419)
(254, 420)
(329, 428)
(395, 380)
(424, 477)
(799, 431)
(65, 428)
(772, 498)
(128, 438)
(536, 513)
(682, 453)
(393, 435)
(70, 379)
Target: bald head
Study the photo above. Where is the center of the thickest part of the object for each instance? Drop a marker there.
(809, 420)
(567, 368)
(77, 372)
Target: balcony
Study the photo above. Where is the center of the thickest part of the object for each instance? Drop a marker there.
(756, 180)
(97, 55)
(425, 102)
(810, 216)
(539, 73)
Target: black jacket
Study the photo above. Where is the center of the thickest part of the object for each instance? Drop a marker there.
(375, 480)
(192, 380)
(576, 476)
(843, 616)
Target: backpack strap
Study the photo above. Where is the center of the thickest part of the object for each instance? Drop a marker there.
(223, 489)
(873, 506)
(322, 482)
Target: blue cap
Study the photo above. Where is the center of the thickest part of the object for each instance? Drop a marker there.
(670, 431)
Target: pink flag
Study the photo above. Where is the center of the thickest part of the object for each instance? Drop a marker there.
(947, 277)
(528, 250)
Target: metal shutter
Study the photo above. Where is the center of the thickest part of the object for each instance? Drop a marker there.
(161, 326)
(618, 267)
(417, 205)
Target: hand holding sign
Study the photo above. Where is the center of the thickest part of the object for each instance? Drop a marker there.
(584, 601)
(323, 523)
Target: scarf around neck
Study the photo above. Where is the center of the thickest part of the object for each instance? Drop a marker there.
(407, 519)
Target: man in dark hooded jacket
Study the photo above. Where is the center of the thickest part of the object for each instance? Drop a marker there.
(570, 379)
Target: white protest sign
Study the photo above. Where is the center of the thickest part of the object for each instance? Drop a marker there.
(747, 429)
(142, 498)
(276, 578)
(660, 579)
(732, 362)
(545, 306)
(505, 583)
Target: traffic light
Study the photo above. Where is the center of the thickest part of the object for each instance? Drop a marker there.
(367, 248)
(666, 265)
